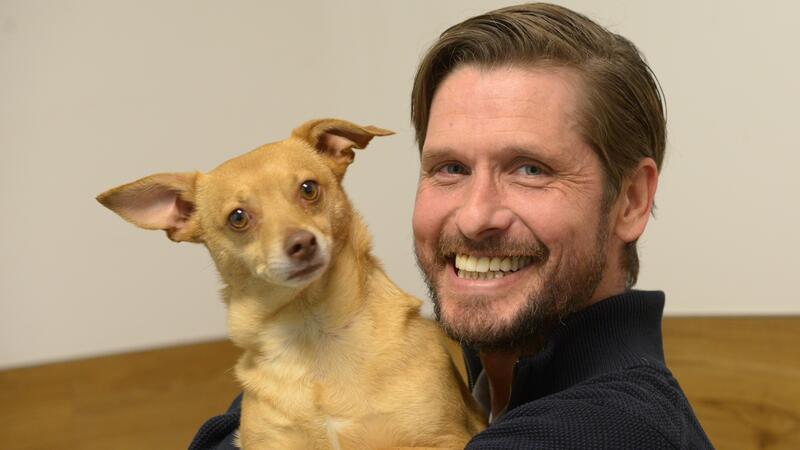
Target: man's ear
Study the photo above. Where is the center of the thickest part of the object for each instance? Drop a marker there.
(335, 139)
(159, 202)
(635, 201)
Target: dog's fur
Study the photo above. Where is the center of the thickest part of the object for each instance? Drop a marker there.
(335, 354)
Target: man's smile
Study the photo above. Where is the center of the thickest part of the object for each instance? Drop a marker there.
(476, 267)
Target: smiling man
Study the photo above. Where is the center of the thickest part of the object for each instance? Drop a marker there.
(541, 136)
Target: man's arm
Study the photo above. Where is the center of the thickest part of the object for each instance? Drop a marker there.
(219, 432)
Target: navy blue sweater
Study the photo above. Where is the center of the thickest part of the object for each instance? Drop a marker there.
(600, 382)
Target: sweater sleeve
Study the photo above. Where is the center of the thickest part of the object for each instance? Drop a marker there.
(219, 432)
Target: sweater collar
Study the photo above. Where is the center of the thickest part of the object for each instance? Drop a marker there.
(618, 332)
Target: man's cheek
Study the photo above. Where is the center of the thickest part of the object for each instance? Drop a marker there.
(424, 221)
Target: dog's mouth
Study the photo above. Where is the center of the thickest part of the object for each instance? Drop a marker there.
(304, 272)
(291, 275)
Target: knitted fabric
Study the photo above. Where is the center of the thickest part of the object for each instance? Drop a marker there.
(600, 382)
(218, 432)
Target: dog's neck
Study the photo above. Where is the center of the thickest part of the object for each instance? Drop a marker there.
(260, 318)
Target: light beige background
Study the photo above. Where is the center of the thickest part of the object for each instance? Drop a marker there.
(96, 93)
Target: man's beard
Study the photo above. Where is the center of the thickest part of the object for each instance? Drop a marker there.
(552, 295)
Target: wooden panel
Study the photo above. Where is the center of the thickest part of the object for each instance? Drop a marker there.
(742, 376)
(152, 399)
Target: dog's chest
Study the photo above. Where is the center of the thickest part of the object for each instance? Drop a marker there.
(329, 401)
(319, 381)
(312, 413)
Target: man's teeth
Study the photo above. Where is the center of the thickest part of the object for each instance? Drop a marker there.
(487, 268)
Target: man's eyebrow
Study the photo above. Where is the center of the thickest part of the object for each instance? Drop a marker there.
(525, 151)
(529, 151)
(435, 153)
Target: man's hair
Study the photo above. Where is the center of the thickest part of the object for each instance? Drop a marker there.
(623, 114)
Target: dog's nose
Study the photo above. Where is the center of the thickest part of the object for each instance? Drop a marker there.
(301, 246)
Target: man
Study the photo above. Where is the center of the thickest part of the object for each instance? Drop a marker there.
(541, 138)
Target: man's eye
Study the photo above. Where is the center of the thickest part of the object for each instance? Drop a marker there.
(453, 169)
(530, 170)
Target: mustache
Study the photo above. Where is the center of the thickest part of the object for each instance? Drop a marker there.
(449, 245)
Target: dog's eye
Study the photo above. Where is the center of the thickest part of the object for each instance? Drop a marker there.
(309, 190)
(238, 219)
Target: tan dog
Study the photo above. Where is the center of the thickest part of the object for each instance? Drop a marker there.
(335, 354)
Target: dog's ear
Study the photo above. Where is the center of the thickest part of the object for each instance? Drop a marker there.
(336, 139)
(158, 202)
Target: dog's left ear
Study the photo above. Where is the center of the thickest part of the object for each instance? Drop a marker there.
(335, 139)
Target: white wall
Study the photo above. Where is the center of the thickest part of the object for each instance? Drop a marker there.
(95, 93)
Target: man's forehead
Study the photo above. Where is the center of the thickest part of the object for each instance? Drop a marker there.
(496, 86)
(511, 97)
(527, 111)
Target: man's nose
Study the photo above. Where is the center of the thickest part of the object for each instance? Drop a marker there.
(482, 213)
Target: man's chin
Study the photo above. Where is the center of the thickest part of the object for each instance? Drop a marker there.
(488, 324)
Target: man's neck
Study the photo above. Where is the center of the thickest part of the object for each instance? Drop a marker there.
(499, 369)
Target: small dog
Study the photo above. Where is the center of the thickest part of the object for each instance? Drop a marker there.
(335, 354)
